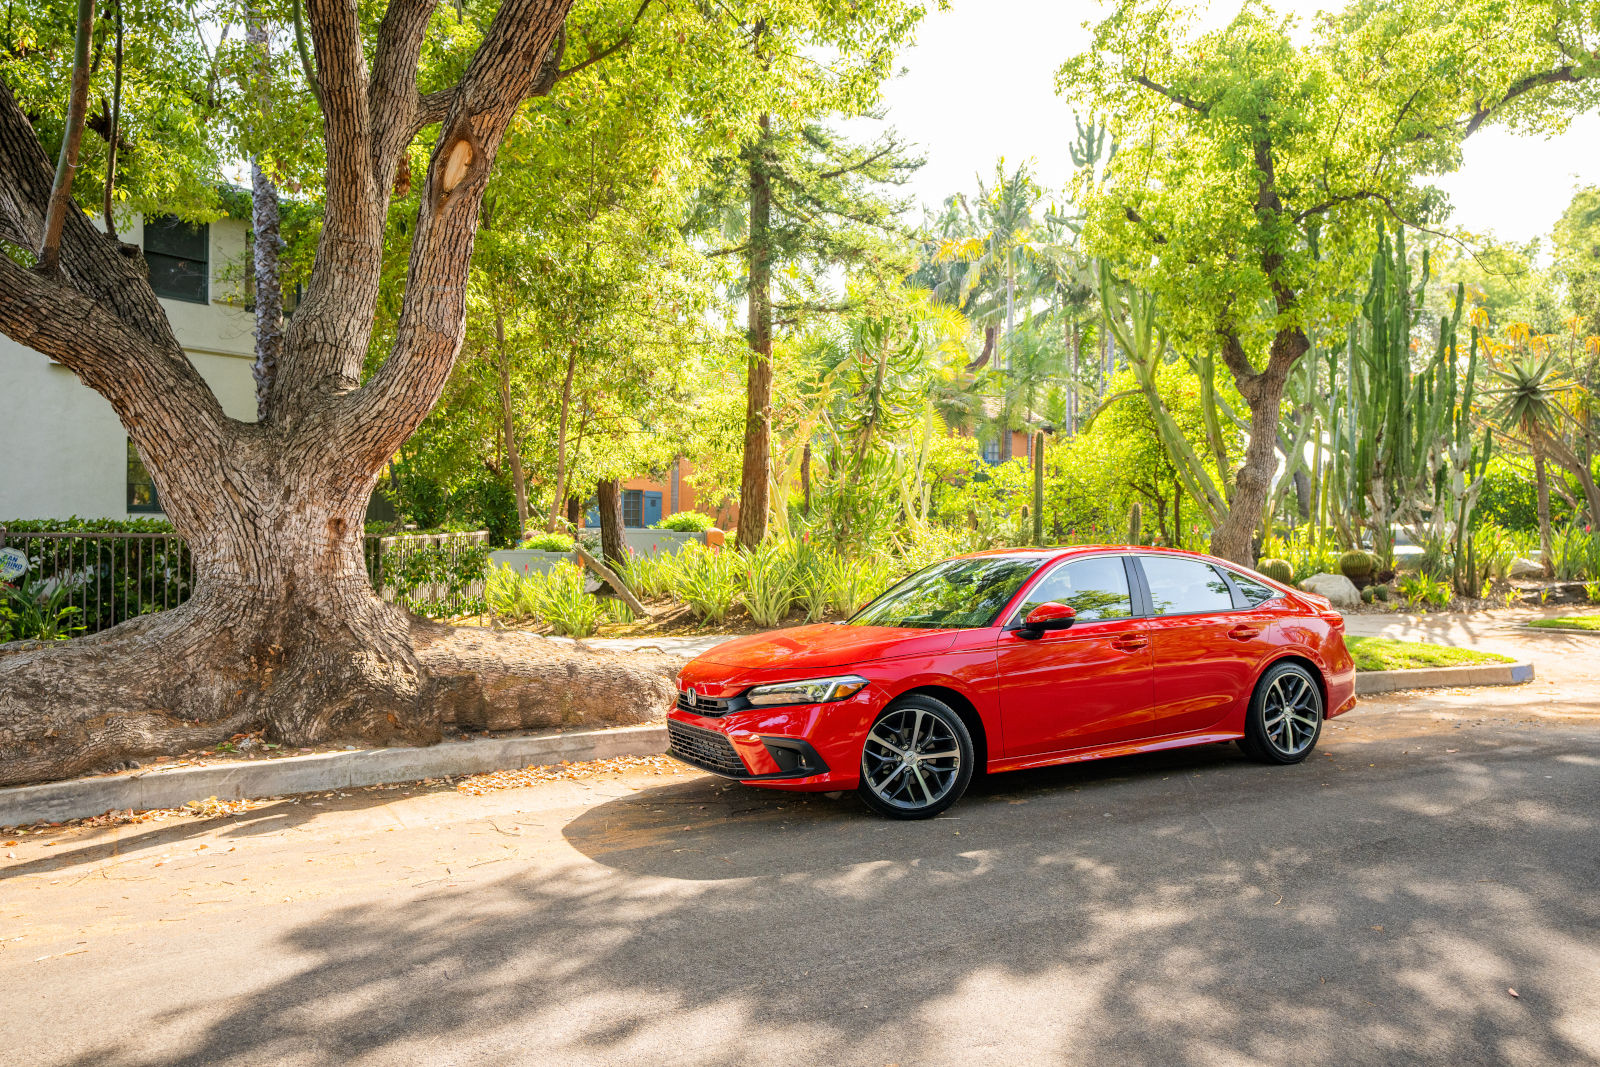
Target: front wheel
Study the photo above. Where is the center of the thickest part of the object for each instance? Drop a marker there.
(917, 759)
(1285, 717)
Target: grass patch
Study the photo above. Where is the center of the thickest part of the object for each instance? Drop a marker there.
(1569, 622)
(1387, 654)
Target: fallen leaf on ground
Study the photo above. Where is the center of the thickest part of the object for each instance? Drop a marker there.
(1514, 993)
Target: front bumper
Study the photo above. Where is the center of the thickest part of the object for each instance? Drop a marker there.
(798, 746)
(712, 750)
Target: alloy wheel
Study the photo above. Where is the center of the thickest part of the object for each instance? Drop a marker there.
(912, 759)
(1290, 713)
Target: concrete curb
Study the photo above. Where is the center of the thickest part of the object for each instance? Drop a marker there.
(1368, 682)
(175, 787)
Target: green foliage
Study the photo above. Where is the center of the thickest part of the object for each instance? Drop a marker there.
(558, 597)
(1279, 570)
(708, 580)
(772, 583)
(1424, 590)
(1575, 554)
(548, 542)
(437, 581)
(1509, 497)
(687, 522)
(1387, 654)
(37, 610)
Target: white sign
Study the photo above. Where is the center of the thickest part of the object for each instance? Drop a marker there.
(13, 564)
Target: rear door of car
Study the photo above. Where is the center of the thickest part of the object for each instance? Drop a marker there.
(1087, 685)
(1207, 644)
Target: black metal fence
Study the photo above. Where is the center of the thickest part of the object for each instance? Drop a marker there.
(105, 577)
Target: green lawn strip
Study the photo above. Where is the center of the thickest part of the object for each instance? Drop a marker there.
(1387, 654)
(1569, 622)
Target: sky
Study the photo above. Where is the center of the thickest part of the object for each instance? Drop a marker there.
(980, 84)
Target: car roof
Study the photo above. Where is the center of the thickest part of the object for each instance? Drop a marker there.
(1068, 551)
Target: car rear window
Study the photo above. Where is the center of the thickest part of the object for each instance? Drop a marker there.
(1180, 586)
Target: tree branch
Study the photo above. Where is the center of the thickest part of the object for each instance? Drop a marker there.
(1172, 94)
(501, 75)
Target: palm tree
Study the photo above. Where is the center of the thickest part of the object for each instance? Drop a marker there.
(1526, 404)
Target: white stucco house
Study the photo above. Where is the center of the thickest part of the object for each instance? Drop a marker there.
(62, 450)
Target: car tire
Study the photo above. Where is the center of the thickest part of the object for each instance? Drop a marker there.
(919, 788)
(1285, 716)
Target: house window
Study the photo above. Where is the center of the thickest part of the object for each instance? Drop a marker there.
(178, 255)
(141, 489)
(991, 451)
(632, 507)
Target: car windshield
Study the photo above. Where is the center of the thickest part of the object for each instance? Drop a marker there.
(955, 594)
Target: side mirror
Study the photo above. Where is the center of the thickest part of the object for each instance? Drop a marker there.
(1048, 616)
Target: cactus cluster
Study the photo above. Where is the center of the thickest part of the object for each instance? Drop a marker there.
(1402, 440)
(1358, 565)
(1278, 570)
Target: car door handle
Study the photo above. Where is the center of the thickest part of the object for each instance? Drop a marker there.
(1244, 632)
(1129, 642)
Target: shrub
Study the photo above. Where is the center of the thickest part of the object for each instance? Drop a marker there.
(566, 604)
(1358, 564)
(437, 580)
(548, 542)
(1279, 570)
(38, 611)
(769, 586)
(708, 581)
(649, 575)
(686, 522)
(1425, 590)
(511, 594)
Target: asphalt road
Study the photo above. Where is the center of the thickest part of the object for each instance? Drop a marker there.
(1372, 906)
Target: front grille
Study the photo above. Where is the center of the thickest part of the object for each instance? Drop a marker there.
(705, 748)
(710, 707)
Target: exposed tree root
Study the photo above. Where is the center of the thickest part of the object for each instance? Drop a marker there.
(180, 680)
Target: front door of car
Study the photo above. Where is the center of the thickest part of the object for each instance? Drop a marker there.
(1206, 651)
(1087, 685)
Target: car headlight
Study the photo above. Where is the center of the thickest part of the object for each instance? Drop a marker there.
(808, 691)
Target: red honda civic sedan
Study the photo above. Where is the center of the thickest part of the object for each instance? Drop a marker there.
(1020, 658)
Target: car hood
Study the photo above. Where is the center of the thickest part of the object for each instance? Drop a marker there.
(825, 645)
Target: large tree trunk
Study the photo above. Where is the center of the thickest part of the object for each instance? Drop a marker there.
(1263, 392)
(282, 630)
(755, 476)
(613, 547)
(265, 224)
(519, 482)
(1541, 483)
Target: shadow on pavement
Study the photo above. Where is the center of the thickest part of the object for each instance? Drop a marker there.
(1185, 908)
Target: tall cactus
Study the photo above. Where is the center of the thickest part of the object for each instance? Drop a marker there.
(1403, 447)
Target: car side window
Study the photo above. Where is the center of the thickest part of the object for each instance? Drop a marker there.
(1181, 586)
(1096, 588)
(1253, 591)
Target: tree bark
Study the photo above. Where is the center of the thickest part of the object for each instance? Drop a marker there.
(519, 484)
(49, 259)
(268, 240)
(1263, 392)
(613, 547)
(1542, 486)
(561, 441)
(114, 127)
(754, 501)
(282, 630)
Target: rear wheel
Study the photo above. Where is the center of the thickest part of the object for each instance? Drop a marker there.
(917, 759)
(1285, 717)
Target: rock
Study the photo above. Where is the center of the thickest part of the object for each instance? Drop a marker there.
(1524, 568)
(1340, 591)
